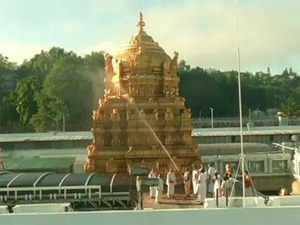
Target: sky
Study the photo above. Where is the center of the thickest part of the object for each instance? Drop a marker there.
(206, 33)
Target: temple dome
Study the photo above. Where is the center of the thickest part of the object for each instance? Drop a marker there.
(142, 48)
(143, 37)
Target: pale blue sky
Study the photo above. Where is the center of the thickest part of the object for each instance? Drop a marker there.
(203, 31)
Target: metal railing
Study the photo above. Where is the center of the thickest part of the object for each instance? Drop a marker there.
(59, 192)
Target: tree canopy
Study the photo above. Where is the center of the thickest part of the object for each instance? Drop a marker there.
(58, 87)
(219, 90)
(53, 87)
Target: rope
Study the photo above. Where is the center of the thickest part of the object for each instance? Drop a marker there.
(256, 193)
(235, 178)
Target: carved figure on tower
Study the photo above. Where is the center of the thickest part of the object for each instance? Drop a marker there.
(109, 72)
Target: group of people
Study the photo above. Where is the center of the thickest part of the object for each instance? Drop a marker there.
(204, 182)
(199, 182)
(211, 183)
(156, 191)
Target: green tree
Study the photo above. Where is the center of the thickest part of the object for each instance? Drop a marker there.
(290, 107)
(27, 90)
(8, 79)
(41, 64)
(6, 65)
(9, 117)
(68, 90)
(48, 117)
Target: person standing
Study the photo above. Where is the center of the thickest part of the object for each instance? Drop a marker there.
(226, 184)
(248, 184)
(210, 179)
(159, 189)
(140, 204)
(217, 184)
(152, 188)
(171, 181)
(187, 182)
(1, 162)
(195, 179)
(227, 174)
(202, 178)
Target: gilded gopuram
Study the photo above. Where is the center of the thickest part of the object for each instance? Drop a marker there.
(141, 119)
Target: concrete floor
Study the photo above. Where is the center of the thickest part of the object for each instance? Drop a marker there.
(178, 203)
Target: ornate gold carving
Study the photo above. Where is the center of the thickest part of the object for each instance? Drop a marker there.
(108, 66)
(140, 87)
(169, 114)
(115, 115)
(175, 58)
(90, 166)
(91, 149)
(156, 113)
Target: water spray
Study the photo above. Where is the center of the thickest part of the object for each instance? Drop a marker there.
(131, 101)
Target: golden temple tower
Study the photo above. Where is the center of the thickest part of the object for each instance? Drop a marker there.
(141, 119)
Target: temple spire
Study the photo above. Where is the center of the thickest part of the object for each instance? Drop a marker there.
(141, 23)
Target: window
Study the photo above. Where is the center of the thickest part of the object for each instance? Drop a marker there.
(256, 166)
(279, 166)
(233, 139)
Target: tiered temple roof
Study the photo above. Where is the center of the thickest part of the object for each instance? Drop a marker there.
(141, 119)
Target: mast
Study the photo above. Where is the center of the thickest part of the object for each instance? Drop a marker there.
(240, 104)
(241, 126)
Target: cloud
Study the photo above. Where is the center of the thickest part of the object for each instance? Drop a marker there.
(18, 51)
(205, 34)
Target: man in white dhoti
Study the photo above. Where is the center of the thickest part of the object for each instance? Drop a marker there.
(139, 193)
(217, 185)
(159, 189)
(152, 188)
(171, 181)
(202, 185)
(210, 179)
(195, 179)
(187, 183)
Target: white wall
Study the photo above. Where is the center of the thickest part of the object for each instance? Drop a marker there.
(237, 216)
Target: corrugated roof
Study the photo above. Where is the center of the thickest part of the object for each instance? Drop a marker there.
(39, 164)
(232, 148)
(46, 136)
(120, 182)
(235, 131)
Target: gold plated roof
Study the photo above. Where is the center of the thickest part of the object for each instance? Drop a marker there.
(142, 45)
